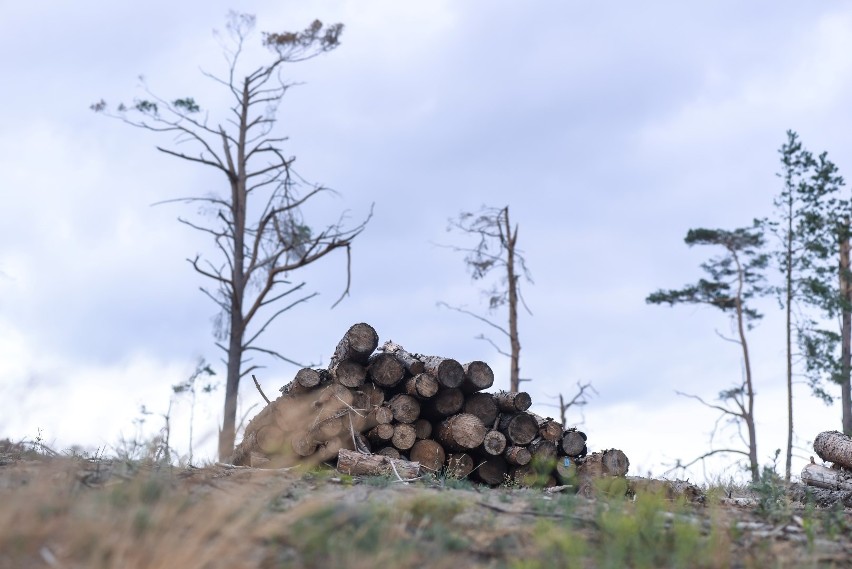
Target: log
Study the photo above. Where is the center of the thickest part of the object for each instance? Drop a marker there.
(477, 376)
(517, 456)
(412, 365)
(357, 464)
(429, 454)
(459, 465)
(357, 344)
(271, 439)
(494, 443)
(404, 436)
(483, 406)
(330, 449)
(349, 373)
(566, 470)
(447, 402)
(513, 401)
(305, 380)
(834, 446)
(447, 371)
(461, 432)
(423, 428)
(548, 428)
(824, 477)
(382, 414)
(405, 408)
(670, 489)
(422, 386)
(303, 444)
(573, 443)
(519, 428)
(611, 462)
(492, 470)
(389, 451)
(330, 428)
(542, 449)
(615, 462)
(381, 434)
(527, 475)
(375, 395)
(385, 370)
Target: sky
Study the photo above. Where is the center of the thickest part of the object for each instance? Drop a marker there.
(608, 129)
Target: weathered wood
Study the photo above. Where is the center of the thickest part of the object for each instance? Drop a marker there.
(330, 449)
(382, 414)
(330, 428)
(389, 451)
(422, 386)
(492, 470)
(519, 428)
(483, 406)
(405, 408)
(669, 489)
(447, 371)
(612, 462)
(381, 434)
(423, 428)
(548, 428)
(357, 464)
(573, 443)
(349, 373)
(447, 402)
(478, 375)
(459, 465)
(303, 443)
(824, 477)
(518, 456)
(542, 449)
(461, 432)
(834, 446)
(385, 370)
(494, 443)
(404, 436)
(566, 470)
(513, 401)
(429, 454)
(357, 344)
(271, 439)
(305, 380)
(412, 365)
(615, 462)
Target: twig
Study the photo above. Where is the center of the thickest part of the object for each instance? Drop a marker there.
(262, 394)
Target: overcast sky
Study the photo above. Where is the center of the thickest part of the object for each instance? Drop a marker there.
(609, 129)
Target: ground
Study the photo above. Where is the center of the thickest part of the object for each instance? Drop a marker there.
(66, 511)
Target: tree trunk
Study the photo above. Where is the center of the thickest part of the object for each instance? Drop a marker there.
(748, 415)
(510, 239)
(385, 370)
(381, 434)
(483, 406)
(548, 428)
(519, 428)
(423, 428)
(788, 309)
(447, 402)
(477, 376)
(543, 449)
(357, 464)
(359, 342)
(447, 371)
(429, 454)
(461, 432)
(513, 401)
(846, 335)
(834, 446)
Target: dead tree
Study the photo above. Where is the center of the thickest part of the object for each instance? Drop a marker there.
(256, 222)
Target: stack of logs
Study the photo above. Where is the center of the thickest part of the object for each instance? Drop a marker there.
(834, 447)
(398, 413)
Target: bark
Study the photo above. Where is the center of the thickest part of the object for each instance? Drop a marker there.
(447, 402)
(429, 454)
(494, 443)
(357, 344)
(573, 443)
(478, 375)
(422, 386)
(447, 371)
(513, 401)
(517, 456)
(483, 406)
(548, 428)
(405, 408)
(519, 428)
(834, 446)
(381, 434)
(845, 337)
(461, 432)
(510, 239)
(404, 436)
(459, 465)
(423, 428)
(492, 470)
(306, 379)
(748, 414)
(412, 365)
(824, 477)
(357, 464)
(385, 370)
(349, 373)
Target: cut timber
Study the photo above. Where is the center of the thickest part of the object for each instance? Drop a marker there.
(385, 370)
(824, 477)
(412, 365)
(494, 443)
(492, 470)
(483, 406)
(271, 439)
(423, 428)
(670, 489)
(357, 464)
(381, 434)
(330, 449)
(429, 454)
(447, 371)
(519, 428)
(447, 402)
(548, 428)
(305, 380)
(518, 456)
(357, 344)
(459, 465)
(573, 443)
(834, 446)
(389, 451)
(566, 470)
(422, 386)
(461, 432)
(542, 449)
(303, 444)
(404, 436)
(477, 376)
(405, 408)
(513, 401)
(330, 428)
(382, 414)
(349, 373)
(611, 462)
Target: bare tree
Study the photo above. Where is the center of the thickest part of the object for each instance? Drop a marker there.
(496, 249)
(579, 400)
(256, 223)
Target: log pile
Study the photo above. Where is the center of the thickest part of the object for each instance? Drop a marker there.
(834, 447)
(386, 411)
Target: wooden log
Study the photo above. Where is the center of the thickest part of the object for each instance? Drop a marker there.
(461, 432)
(548, 428)
(477, 376)
(375, 394)
(527, 475)
(303, 443)
(422, 386)
(404, 436)
(329, 449)
(513, 401)
(566, 470)
(423, 428)
(669, 489)
(542, 449)
(492, 470)
(271, 439)
(412, 365)
(447, 371)
(483, 406)
(459, 465)
(383, 414)
(385, 370)
(389, 451)
(834, 446)
(305, 380)
(824, 477)
(615, 462)
(405, 408)
(520, 428)
(330, 428)
(381, 434)
(517, 456)
(357, 344)
(429, 454)
(357, 464)
(447, 402)
(573, 443)
(612, 462)
(349, 373)
(494, 443)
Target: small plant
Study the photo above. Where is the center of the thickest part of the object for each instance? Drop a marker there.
(772, 502)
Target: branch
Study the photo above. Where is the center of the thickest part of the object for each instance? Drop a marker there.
(710, 405)
(273, 353)
(262, 394)
(477, 316)
(494, 345)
